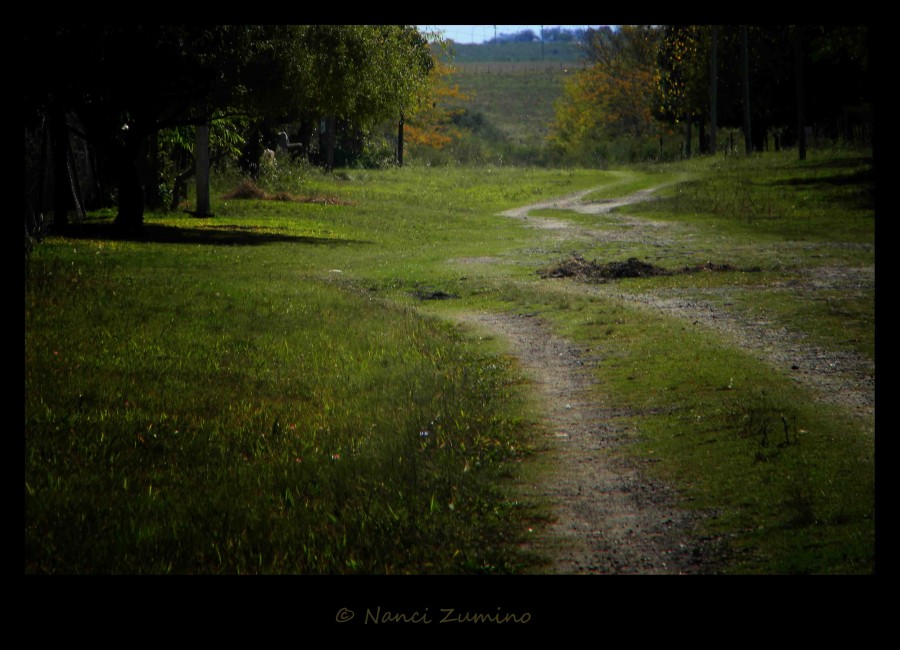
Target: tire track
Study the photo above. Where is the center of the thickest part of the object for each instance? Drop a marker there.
(609, 518)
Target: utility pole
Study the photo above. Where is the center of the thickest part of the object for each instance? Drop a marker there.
(542, 42)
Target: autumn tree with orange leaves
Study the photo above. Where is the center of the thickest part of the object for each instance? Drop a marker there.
(613, 100)
(432, 126)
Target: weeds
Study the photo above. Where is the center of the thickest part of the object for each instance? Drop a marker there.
(769, 420)
(250, 190)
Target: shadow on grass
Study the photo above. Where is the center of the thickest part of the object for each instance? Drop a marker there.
(850, 162)
(212, 236)
(857, 186)
(862, 178)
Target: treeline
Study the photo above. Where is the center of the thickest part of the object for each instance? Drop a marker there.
(548, 35)
(157, 103)
(648, 87)
(137, 106)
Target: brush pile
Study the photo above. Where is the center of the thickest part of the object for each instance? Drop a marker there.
(592, 271)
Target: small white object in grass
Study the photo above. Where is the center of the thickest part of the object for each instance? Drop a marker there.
(335, 271)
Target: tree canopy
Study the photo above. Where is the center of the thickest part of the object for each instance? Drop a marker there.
(614, 97)
(126, 83)
(645, 80)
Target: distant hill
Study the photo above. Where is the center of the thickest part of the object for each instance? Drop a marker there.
(516, 99)
(512, 88)
(554, 51)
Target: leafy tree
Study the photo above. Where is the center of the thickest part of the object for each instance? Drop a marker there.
(683, 81)
(837, 79)
(362, 74)
(127, 83)
(615, 97)
(433, 125)
(176, 160)
(819, 71)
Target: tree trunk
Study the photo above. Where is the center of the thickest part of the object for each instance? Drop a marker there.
(688, 135)
(400, 141)
(304, 137)
(179, 185)
(330, 123)
(801, 109)
(59, 141)
(201, 155)
(154, 198)
(131, 194)
(713, 89)
(252, 149)
(745, 84)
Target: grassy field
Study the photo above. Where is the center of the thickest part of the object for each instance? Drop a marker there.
(517, 103)
(238, 395)
(278, 390)
(507, 114)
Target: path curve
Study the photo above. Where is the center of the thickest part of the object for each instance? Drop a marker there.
(610, 516)
(835, 376)
(575, 201)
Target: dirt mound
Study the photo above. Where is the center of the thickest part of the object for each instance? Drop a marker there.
(247, 190)
(592, 271)
(428, 294)
(250, 190)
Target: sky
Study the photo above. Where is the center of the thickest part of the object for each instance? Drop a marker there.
(481, 33)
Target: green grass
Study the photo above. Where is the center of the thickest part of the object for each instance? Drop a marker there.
(216, 396)
(519, 104)
(774, 198)
(251, 393)
(190, 409)
(712, 424)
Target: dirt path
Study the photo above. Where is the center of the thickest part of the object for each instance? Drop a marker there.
(575, 201)
(834, 376)
(611, 517)
(841, 377)
(625, 226)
